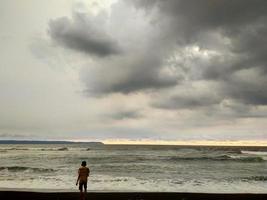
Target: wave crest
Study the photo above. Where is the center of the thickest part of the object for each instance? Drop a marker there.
(14, 149)
(255, 178)
(219, 158)
(22, 168)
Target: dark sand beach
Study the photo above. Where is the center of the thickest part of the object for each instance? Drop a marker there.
(30, 195)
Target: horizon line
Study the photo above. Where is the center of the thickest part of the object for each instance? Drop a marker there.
(189, 142)
(157, 142)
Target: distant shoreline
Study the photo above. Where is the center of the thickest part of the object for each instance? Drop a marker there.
(46, 142)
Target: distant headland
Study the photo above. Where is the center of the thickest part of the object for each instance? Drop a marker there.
(46, 142)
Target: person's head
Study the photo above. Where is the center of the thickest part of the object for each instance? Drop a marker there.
(83, 163)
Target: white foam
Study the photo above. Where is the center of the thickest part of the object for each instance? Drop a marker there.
(109, 183)
(255, 152)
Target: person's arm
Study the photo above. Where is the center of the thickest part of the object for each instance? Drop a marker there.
(78, 177)
(88, 172)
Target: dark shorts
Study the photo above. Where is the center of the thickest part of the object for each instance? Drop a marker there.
(82, 185)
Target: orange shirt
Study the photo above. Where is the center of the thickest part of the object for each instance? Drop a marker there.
(83, 173)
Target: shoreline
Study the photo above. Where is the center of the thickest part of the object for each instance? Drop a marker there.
(46, 190)
(11, 194)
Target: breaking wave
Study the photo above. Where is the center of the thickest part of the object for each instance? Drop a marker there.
(35, 149)
(16, 149)
(22, 168)
(255, 178)
(55, 149)
(220, 158)
(255, 152)
(63, 149)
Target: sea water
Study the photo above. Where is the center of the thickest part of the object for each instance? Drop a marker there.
(134, 168)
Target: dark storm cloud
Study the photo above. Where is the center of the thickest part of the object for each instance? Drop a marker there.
(241, 61)
(250, 45)
(243, 74)
(248, 50)
(248, 88)
(206, 14)
(130, 74)
(141, 81)
(135, 66)
(81, 35)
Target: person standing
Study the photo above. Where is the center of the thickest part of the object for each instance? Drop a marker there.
(83, 174)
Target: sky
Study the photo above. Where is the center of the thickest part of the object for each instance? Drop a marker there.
(133, 70)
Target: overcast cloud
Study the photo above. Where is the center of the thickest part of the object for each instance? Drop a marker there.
(168, 69)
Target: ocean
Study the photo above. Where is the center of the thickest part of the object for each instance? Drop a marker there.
(135, 168)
